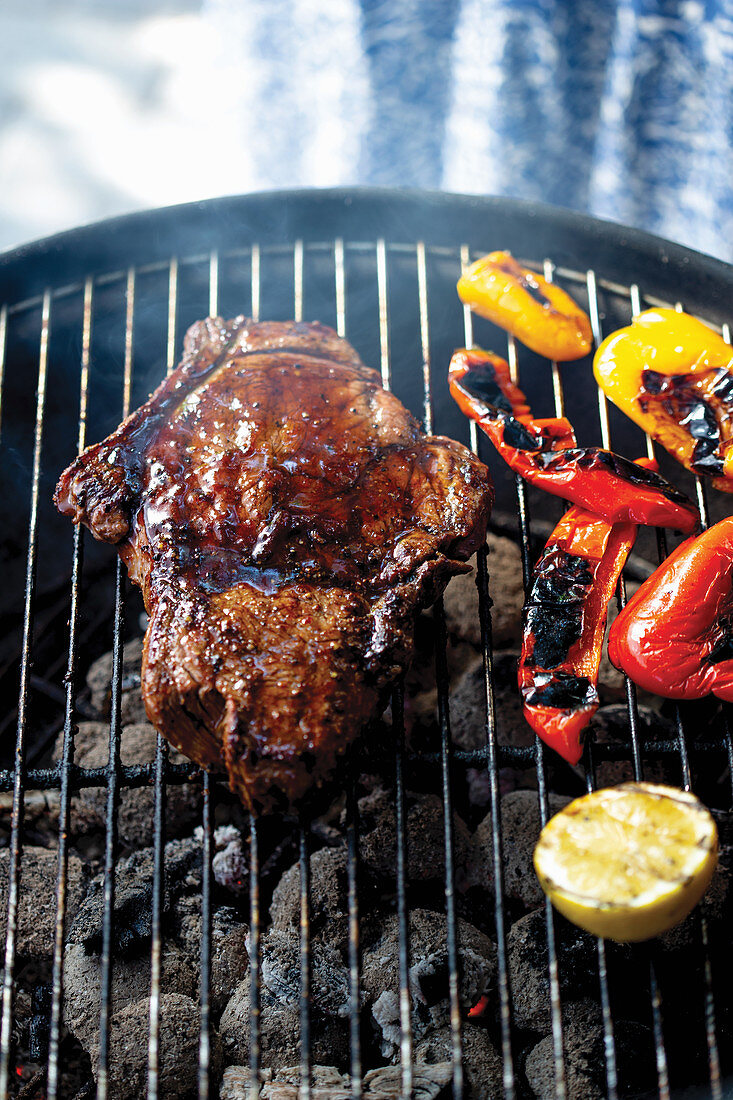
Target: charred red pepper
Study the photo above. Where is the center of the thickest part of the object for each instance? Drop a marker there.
(544, 452)
(490, 380)
(564, 623)
(675, 636)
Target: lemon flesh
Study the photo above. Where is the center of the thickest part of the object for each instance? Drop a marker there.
(628, 862)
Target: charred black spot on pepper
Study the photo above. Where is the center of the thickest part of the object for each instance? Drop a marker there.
(527, 283)
(554, 607)
(490, 402)
(560, 578)
(722, 651)
(723, 643)
(515, 435)
(563, 690)
(652, 382)
(705, 459)
(588, 458)
(480, 405)
(681, 398)
(482, 385)
(554, 631)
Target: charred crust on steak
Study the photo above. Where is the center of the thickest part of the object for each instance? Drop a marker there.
(285, 518)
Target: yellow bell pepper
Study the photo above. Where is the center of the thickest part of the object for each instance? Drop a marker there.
(538, 313)
(673, 376)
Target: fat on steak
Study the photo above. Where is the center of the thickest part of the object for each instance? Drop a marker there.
(286, 518)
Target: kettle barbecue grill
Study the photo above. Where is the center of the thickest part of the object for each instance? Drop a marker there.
(91, 321)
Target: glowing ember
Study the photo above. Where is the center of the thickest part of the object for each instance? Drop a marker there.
(479, 1008)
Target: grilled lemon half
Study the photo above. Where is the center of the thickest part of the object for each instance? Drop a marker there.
(628, 862)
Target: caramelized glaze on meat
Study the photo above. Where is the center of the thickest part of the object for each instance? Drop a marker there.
(285, 518)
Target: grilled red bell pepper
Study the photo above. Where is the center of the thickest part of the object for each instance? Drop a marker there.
(675, 636)
(544, 453)
(491, 382)
(564, 623)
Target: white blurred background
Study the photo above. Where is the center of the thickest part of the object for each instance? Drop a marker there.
(623, 108)
(107, 108)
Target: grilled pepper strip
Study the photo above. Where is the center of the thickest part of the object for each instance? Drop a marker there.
(675, 636)
(564, 623)
(539, 313)
(544, 452)
(673, 376)
(491, 381)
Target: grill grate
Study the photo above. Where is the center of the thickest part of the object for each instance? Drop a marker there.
(397, 304)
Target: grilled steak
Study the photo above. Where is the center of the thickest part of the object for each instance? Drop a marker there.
(285, 518)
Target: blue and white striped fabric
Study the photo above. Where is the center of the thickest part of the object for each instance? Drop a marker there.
(621, 108)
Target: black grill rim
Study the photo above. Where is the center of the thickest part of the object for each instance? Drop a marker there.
(623, 254)
(42, 259)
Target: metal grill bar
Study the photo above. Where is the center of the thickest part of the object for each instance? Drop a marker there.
(352, 807)
(441, 673)
(16, 834)
(441, 677)
(555, 1004)
(716, 1085)
(254, 947)
(161, 759)
(609, 1039)
(214, 284)
(159, 804)
(340, 280)
(143, 775)
(465, 260)
(549, 270)
(110, 848)
(207, 855)
(556, 1015)
(303, 839)
(298, 281)
(496, 833)
(422, 287)
(595, 324)
(398, 719)
(254, 959)
(255, 282)
(608, 1035)
(398, 725)
(352, 872)
(305, 963)
(170, 357)
(525, 534)
(207, 840)
(383, 312)
(659, 1047)
(608, 1032)
(487, 648)
(113, 776)
(633, 713)
(68, 735)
